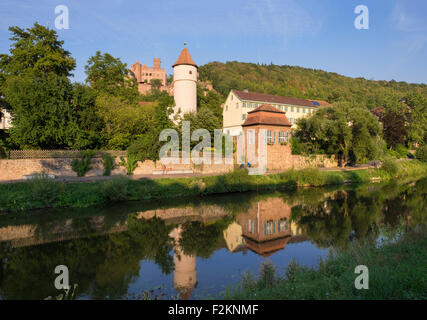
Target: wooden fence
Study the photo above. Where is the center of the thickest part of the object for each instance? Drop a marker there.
(45, 154)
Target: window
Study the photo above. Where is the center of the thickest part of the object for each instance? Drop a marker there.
(250, 226)
(237, 105)
(287, 137)
(282, 225)
(298, 110)
(226, 108)
(251, 136)
(269, 227)
(292, 109)
(281, 137)
(243, 116)
(244, 104)
(270, 137)
(231, 97)
(190, 72)
(286, 108)
(303, 110)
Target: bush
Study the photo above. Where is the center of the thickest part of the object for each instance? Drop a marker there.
(109, 164)
(334, 179)
(82, 165)
(43, 189)
(390, 167)
(401, 151)
(131, 163)
(115, 189)
(422, 154)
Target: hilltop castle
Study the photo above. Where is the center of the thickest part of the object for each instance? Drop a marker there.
(183, 87)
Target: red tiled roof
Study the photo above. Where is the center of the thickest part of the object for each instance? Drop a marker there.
(267, 115)
(185, 58)
(277, 99)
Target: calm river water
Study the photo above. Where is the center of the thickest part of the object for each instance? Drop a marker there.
(194, 248)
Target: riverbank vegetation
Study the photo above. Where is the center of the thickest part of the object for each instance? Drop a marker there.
(396, 271)
(42, 192)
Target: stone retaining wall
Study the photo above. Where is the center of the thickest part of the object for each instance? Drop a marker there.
(16, 169)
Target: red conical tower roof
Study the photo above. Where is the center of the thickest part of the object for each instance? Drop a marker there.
(185, 58)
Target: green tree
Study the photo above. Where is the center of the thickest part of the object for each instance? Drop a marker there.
(346, 129)
(42, 116)
(156, 83)
(107, 74)
(36, 50)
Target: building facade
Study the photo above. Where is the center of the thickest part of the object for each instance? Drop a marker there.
(239, 103)
(145, 74)
(185, 73)
(276, 136)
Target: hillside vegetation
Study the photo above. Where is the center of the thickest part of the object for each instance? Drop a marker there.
(304, 83)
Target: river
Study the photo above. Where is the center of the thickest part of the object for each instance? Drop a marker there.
(194, 248)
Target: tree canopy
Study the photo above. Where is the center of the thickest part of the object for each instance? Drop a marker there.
(344, 128)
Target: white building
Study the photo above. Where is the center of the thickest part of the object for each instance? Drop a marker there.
(239, 103)
(185, 83)
(5, 120)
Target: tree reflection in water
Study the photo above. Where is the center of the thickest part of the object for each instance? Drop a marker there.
(104, 251)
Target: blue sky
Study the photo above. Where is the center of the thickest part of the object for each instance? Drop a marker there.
(309, 33)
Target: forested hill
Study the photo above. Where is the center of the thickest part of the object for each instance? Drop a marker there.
(304, 83)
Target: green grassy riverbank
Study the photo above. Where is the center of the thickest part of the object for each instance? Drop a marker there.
(42, 192)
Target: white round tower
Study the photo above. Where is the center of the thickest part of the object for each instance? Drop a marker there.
(185, 83)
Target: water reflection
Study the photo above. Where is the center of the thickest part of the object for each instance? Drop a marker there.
(112, 252)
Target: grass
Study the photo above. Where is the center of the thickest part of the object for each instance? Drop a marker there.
(396, 271)
(45, 193)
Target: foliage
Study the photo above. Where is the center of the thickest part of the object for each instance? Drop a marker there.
(390, 167)
(421, 153)
(123, 121)
(130, 163)
(44, 190)
(42, 116)
(109, 163)
(36, 50)
(156, 83)
(293, 81)
(82, 164)
(107, 74)
(344, 128)
(394, 128)
(115, 189)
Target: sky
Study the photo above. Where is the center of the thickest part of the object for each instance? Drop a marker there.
(318, 34)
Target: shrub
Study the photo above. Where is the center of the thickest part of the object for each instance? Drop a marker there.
(43, 189)
(422, 153)
(115, 189)
(401, 151)
(81, 165)
(130, 163)
(267, 274)
(109, 164)
(334, 179)
(390, 167)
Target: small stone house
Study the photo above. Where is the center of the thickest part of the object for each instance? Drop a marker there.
(276, 136)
